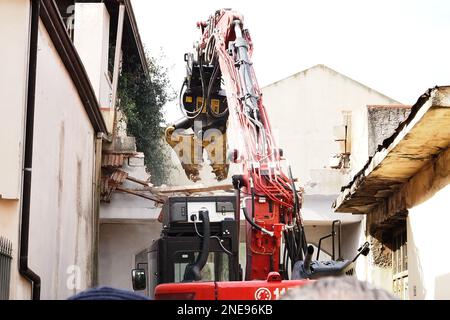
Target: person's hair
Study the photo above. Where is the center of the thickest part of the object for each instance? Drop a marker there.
(337, 288)
(107, 293)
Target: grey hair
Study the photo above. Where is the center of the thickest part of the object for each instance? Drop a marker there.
(337, 288)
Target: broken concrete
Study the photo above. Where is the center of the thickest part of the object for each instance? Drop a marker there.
(382, 122)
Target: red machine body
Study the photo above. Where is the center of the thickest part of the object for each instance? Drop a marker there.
(271, 289)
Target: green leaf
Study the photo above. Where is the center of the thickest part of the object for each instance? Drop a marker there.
(142, 98)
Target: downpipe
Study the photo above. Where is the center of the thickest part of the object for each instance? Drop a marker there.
(24, 269)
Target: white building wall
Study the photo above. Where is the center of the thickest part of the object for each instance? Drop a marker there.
(127, 225)
(349, 237)
(61, 223)
(304, 109)
(360, 140)
(91, 39)
(119, 243)
(428, 247)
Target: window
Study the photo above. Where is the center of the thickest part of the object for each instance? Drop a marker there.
(342, 135)
(215, 269)
(400, 265)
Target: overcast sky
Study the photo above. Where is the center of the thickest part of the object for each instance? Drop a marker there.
(399, 48)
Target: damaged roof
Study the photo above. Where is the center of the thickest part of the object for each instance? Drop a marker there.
(422, 136)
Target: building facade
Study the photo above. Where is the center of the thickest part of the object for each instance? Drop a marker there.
(61, 62)
(50, 139)
(403, 192)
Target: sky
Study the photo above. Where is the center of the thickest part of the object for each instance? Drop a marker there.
(399, 48)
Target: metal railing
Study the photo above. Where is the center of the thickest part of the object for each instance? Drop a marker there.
(5, 267)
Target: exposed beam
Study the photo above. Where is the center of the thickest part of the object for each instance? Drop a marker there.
(140, 194)
(192, 189)
(139, 181)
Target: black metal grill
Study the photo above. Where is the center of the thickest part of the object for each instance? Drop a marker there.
(5, 267)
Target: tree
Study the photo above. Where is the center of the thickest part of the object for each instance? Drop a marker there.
(142, 97)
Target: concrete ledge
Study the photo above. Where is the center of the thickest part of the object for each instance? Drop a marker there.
(416, 142)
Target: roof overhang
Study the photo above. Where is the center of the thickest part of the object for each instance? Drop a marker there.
(137, 43)
(417, 141)
(131, 40)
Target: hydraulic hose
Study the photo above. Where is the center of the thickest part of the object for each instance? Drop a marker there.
(193, 271)
(254, 225)
(208, 94)
(250, 219)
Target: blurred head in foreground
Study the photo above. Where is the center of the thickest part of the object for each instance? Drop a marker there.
(337, 288)
(107, 293)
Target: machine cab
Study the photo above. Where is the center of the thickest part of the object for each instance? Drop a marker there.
(182, 244)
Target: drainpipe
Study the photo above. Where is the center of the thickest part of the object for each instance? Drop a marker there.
(24, 269)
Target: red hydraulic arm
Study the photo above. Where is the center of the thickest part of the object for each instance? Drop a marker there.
(270, 200)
